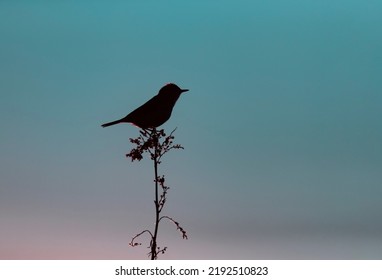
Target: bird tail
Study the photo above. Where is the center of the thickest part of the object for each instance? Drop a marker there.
(111, 123)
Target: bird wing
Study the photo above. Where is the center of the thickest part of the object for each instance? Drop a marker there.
(144, 110)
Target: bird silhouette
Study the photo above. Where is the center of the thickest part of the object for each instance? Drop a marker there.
(154, 112)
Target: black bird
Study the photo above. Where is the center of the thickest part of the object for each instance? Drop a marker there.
(154, 112)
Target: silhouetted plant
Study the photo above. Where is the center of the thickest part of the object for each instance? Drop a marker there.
(156, 143)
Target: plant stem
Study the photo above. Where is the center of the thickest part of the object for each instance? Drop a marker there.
(156, 202)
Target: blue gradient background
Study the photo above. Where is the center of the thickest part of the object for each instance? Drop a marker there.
(282, 128)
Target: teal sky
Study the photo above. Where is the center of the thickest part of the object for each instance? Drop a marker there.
(281, 128)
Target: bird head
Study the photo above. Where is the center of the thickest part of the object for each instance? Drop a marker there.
(171, 89)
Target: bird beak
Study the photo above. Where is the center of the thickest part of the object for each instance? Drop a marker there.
(183, 90)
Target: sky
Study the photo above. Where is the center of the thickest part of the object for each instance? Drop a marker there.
(281, 128)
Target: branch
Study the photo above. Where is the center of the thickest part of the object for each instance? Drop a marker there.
(178, 227)
(133, 244)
